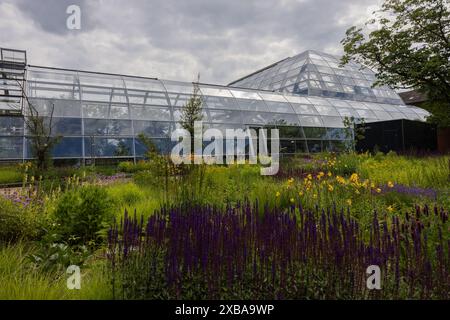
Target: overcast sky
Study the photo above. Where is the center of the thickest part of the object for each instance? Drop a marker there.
(176, 39)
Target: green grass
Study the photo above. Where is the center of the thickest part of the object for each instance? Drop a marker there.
(10, 174)
(429, 172)
(20, 280)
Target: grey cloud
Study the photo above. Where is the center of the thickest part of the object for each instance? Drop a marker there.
(172, 38)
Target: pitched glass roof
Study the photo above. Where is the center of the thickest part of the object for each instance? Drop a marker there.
(315, 73)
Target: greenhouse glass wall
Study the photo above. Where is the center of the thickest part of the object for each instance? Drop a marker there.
(100, 115)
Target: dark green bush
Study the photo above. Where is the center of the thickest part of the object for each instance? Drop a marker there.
(81, 214)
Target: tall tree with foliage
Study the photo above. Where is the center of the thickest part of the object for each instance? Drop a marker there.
(409, 48)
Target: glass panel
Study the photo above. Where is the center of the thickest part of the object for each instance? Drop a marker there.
(107, 127)
(61, 108)
(333, 122)
(217, 92)
(119, 112)
(315, 133)
(68, 147)
(366, 114)
(91, 80)
(301, 146)
(291, 132)
(227, 116)
(163, 146)
(108, 147)
(347, 112)
(178, 87)
(178, 111)
(287, 146)
(253, 118)
(178, 100)
(66, 126)
(279, 107)
(119, 96)
(326, 110)
(150, 113)
(314, 146)
(304, 108)
(245, 95)
(281, 119)
(11, 126)
(155, 98)
(143, 84)
(92, 110)
(152, 128)
(252, 105)
(11, 147)
(337, 134)
(97, 94)
(310, 121)
(220, 103)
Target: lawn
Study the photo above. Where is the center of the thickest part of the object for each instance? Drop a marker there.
(159, 231)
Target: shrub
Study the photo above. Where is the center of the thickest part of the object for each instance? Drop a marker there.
(18, 223)
(130, 167)
(126, 194)
(82, 213)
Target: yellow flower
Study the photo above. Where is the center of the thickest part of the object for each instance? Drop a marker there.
(340, 180)
(277, 194)
(300, 193)
(309, 176)
(390, 184)
(315, 195)
(292, 200)
(354, 178)
(390, 208)
(349, 202)
(329, 174)
(330, 188)
(378, 190)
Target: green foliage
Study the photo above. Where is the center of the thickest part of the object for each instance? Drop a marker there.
(192, 111)
(55, 256)
(10, 174)
(130, 167)
(82, 213)
(18, 223)
(127, 194)
(22, 280)
(410, 49)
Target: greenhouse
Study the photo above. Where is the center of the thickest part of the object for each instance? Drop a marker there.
(99, 115)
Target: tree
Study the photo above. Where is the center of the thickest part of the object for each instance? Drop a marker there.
(192, 111)
(40, 132)
(409, 49)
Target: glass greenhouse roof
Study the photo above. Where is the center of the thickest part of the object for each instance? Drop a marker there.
(124, 97)
(315, 73)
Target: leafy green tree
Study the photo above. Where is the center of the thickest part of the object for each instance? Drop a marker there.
(410, 48)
